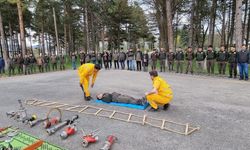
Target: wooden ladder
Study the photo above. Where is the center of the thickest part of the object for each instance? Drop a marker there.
(163, 124)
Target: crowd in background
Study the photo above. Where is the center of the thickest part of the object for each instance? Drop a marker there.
(162, 59)
(181, 61)
(29, 64)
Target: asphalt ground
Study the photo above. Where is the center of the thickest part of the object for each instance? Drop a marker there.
(220, 106)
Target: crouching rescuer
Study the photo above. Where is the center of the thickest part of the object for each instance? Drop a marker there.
(161, 94)
(85, 72)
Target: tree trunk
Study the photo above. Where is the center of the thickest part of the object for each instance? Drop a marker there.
(233, 22)
(238, 25)
(56, 31)
(248, 27)
(21, 24)
(169, 26)
(229, 24)
(191, 30)
(103, 38)
(11, 37)
(223, 32)
(212, 23)
(42, 40)
(30, 38)
(3, 43)
(245, 21)
(86, 27)
(70, 46)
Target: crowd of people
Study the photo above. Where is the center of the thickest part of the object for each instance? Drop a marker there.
(138, 60)
(29, 64)
(141, 61)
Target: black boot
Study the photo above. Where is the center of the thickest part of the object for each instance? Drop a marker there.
(88, 98)
(165, 107)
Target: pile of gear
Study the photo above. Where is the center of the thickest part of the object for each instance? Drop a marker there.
(53, 125)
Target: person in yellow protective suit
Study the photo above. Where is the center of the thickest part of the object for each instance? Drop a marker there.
(85, 72)
(161, 94)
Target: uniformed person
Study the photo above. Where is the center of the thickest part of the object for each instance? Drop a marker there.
(20, 64)
(179, 60)
(162, 58)
(161, 94)
(82, 57)
(62, 62)
(99, 59)
(120, 98)
(87, 58)
(105, 60)
(53, 60)
(85, 72)
(189, 57)
(138, 58)
(116, 59)
(211, 56)
(26, 63)
(40, 62)
(200, 57)
(154, 57)
(32, 63)
(110, 58)
(171, 58)
(145, 61)
(122, 59)
(232, 62)
(11, 69)
(46, 63)
(93, 57)
(73, 60)
(222, 60)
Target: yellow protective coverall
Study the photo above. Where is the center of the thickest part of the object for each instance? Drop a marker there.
(164, 94)
(84, 72)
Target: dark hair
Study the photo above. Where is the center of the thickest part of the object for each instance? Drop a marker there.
(97, 66)
(210, 46)
(153, 73)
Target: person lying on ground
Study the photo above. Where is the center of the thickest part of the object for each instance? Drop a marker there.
(120, 98)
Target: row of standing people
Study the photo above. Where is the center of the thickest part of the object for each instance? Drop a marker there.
(138, 60)
(29, 63)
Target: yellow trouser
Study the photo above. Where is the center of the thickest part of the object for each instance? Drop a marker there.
(155, 100)
(84, 81)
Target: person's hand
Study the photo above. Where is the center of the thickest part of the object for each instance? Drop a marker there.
(146, 93)
(92, 85)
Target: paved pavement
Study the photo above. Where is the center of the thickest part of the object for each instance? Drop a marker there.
(221, 107)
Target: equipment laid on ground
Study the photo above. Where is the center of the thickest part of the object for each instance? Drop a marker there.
(53, 121)
(21, 114)
(109, 142)
(35, 122)
(4, 128)
(89, 138)
(70, 130)
(57, 127)
(163, 124)
(24, 141)
(6, 132)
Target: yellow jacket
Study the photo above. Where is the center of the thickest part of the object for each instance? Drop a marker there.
(87, 70)
(162, 87)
